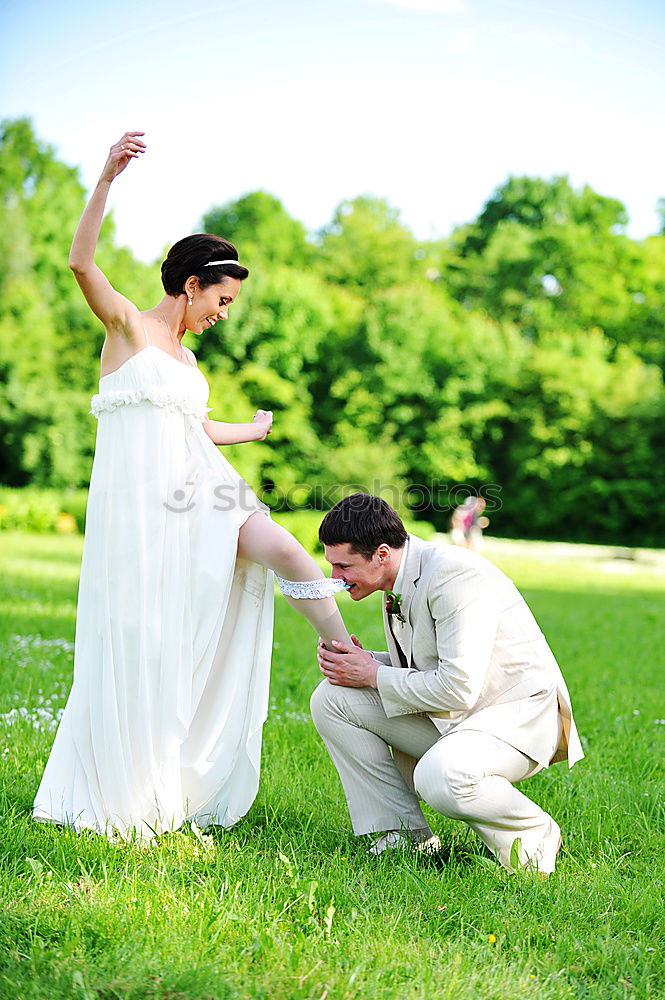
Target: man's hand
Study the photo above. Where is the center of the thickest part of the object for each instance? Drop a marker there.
(349, 666)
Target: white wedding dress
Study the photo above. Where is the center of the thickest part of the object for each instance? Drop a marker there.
(173, 632)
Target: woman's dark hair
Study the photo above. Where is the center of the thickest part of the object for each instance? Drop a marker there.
(365, 522)
(190, 255)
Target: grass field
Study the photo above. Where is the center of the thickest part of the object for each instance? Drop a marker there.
(287, 904)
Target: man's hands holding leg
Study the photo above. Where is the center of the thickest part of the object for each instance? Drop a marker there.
(348, 666)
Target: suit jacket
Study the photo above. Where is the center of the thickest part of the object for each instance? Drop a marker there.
(472, 655)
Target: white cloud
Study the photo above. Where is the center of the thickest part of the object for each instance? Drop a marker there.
(436, 6)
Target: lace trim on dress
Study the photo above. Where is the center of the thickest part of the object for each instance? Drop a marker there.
(177, 402)
(311, 588)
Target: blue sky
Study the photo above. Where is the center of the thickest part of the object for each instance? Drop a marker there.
(429, 103)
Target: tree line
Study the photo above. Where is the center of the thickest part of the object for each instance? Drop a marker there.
(521, 357)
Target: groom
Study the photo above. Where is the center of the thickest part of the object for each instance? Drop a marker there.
(468, 700)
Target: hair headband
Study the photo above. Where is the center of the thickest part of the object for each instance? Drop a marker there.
(211, 262)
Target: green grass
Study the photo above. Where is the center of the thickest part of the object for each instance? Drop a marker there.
(287, 904)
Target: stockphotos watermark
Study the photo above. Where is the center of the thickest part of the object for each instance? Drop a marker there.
(435, 497)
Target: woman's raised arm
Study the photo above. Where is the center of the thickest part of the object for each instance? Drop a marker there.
(109, 306)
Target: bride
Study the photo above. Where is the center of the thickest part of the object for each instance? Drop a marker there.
(175, 603)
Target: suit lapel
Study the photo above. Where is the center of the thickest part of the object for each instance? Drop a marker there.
(409, 583)
(396, 655)
(404, 633)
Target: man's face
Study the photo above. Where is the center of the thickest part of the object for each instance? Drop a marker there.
(364, 576)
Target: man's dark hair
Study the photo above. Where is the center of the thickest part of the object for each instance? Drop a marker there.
(365, 522)
(191, 254)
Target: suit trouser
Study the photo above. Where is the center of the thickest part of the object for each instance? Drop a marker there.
(465, 774)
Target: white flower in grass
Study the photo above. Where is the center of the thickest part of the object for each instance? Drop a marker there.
(40, 718)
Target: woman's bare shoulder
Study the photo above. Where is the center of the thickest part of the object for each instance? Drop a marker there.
(122, 342)
(131, 329)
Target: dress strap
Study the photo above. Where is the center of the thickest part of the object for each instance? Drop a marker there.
(147, 338)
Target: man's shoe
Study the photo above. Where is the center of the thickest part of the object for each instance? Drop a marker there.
(432, 845)
(544, 860)
(388, 841)
(423, 840)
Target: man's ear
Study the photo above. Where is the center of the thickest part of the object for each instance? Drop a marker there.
(383, 552)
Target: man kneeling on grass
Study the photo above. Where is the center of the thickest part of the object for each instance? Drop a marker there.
(469, 698)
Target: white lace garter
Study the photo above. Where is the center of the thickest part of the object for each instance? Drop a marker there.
(177, 402)
(311, 588)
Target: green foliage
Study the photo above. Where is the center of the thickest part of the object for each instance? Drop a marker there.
(49, 340)
(583, 442)
(262, 230)
(525, 353)
(28, 509)
(366, 247)
(552, 258)
(43, 509)
(648, 312)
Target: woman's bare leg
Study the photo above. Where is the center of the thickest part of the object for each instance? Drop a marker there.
(264, 542)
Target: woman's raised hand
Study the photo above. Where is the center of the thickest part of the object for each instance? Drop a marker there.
(263, 419)
(121, 153)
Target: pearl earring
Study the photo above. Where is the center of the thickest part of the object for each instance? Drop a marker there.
(189, 300)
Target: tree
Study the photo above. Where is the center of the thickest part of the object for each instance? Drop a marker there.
(261, 229)
(49, 356)
(366, 247)
(516, 354)
(551, 258)
(583, 427)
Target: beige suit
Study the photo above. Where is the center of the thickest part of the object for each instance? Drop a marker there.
(470, 697)
(475, 656)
